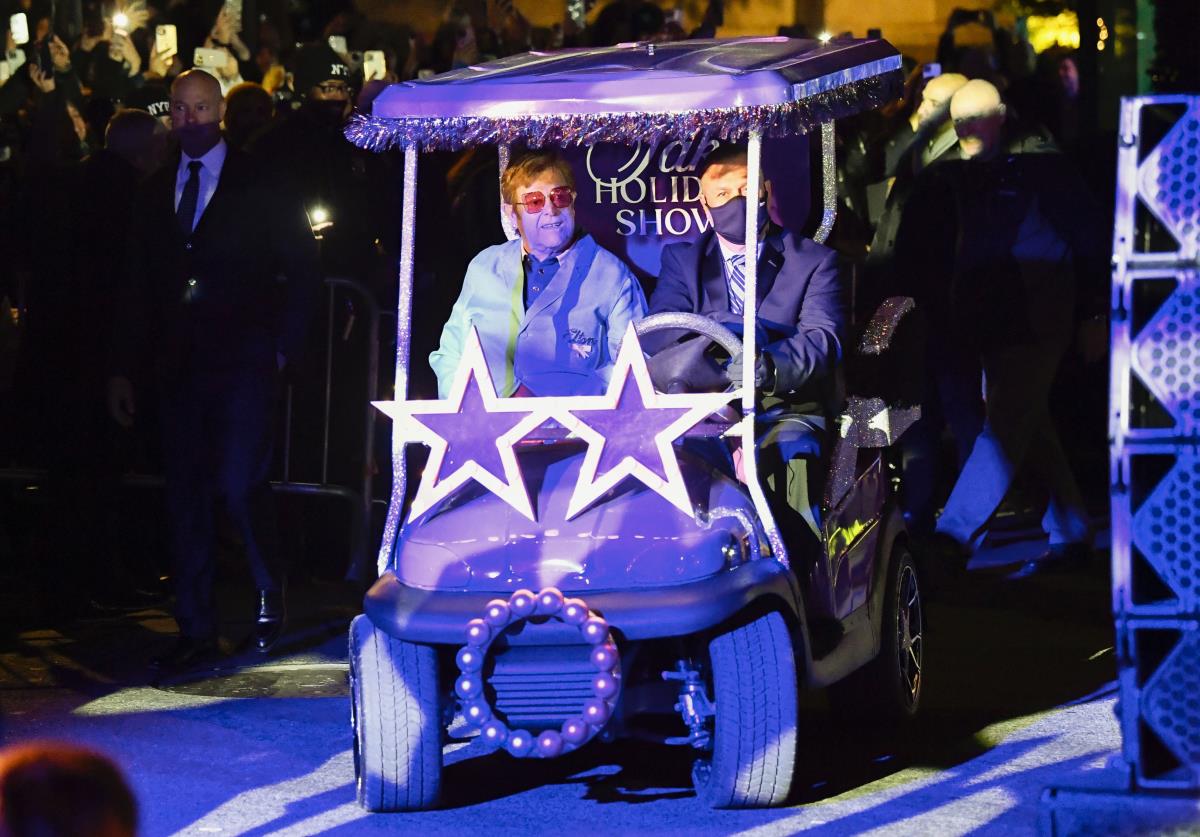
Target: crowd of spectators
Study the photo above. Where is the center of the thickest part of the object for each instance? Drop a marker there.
(84, 110)
(85, 117)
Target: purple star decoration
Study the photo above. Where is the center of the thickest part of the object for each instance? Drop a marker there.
(472, 434)
(631, 430)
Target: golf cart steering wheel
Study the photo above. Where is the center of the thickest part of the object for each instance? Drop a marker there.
(687, 366)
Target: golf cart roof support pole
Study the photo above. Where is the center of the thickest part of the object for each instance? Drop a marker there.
(510, 229)
(750, 349)
(828, 183)
(403, 343)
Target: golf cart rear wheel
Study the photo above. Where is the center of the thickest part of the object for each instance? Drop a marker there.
(888, 689)
(754, 735)
(396, 720)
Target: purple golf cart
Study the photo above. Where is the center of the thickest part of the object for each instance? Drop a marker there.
(570, 567)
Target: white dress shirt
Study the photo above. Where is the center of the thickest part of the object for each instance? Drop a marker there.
(210, 173)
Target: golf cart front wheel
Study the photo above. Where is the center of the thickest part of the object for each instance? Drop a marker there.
(396, 720)
(754, 735)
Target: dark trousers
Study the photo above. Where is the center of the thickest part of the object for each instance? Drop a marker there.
(953, 398)
(792, 464)
(217, 443)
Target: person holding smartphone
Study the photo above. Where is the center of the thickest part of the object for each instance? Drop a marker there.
(344, 188)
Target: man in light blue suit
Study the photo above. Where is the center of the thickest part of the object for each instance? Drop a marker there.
(551, 307)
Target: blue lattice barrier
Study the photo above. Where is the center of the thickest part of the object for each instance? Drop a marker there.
(1160, 701)
(1155, 433)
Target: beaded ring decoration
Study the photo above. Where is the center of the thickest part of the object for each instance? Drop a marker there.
(501, 614)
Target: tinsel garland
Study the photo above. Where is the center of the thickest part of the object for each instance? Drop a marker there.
(726, 124)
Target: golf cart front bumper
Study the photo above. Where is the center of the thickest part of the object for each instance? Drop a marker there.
(439, 617)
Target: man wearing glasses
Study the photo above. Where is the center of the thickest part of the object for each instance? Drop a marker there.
(551, 306)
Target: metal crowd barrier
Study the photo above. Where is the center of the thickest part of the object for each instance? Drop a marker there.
(357, 497)
(1154, 437)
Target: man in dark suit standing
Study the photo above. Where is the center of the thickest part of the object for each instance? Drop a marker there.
(802, 307)
(221, 278)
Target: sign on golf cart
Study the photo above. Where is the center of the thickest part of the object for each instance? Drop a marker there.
(579, 561)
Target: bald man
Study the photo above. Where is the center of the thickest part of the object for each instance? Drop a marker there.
(927, 130)
(930, 138)
(219, 285)
(933, 122)
(1001, 248)
(978, 116)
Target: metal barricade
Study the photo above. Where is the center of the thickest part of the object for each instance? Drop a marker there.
(357, 497)
(1154, 435)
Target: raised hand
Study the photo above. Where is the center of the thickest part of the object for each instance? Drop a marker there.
(122, 50)
(42, 81)
(60, 55)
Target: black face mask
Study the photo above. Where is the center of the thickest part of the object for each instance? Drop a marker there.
(328, 112)
(729, 219)
(196, 140)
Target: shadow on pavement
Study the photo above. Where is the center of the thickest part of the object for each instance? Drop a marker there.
(252, 750)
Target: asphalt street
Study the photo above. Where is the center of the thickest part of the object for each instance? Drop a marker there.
(1020, 696)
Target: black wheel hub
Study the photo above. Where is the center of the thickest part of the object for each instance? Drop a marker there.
(910, 645)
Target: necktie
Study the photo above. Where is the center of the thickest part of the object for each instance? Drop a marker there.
(737, 283)
(185, 215)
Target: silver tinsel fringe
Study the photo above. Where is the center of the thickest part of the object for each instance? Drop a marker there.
(726, 124)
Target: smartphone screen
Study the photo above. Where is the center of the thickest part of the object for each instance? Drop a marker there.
(577, 11)
(18, 24)
(374, 64)
(211, 58)
(166, 40)
(338, 44)
(234, 7)
(931, 70)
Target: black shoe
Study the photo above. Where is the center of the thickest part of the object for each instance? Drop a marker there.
(1059, 558)
(187, 652)
(268, 624)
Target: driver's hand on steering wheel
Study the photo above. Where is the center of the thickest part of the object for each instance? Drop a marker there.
(764, 371)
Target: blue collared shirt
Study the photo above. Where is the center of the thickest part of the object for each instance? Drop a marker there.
(537, 276)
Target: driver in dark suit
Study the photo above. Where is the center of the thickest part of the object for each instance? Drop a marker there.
(221, 280)
(802, 307)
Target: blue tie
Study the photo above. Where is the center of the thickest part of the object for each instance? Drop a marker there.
(737, 283)
(186, 213)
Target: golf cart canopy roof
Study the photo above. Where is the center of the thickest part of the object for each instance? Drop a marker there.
(636, 92)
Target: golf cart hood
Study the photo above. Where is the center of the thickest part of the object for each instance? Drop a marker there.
(631, 538)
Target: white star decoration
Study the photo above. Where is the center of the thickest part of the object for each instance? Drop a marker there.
(669, 416)
(406, 415)
(695, 408)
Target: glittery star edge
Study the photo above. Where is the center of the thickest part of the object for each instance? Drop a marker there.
(589, 488)
(431, 490)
